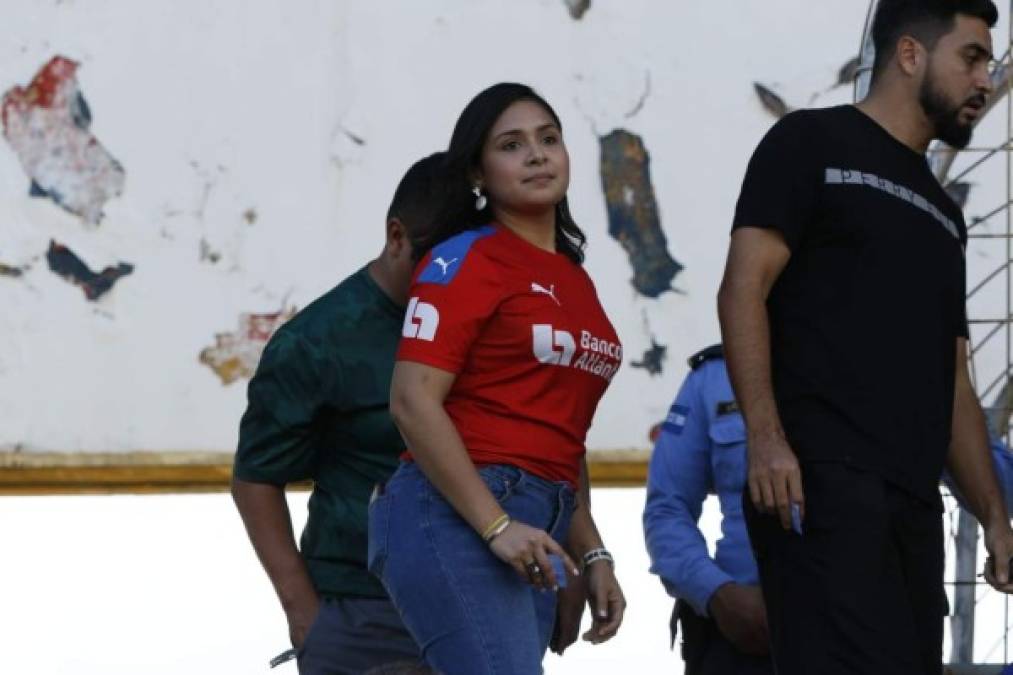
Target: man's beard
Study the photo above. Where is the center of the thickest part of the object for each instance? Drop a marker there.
(945, 115)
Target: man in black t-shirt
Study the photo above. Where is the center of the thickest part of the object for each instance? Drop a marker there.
(845, 287)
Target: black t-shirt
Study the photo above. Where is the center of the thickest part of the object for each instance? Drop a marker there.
(865, 316)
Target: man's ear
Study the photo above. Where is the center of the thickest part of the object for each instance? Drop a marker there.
(910, 55)
(397, 243)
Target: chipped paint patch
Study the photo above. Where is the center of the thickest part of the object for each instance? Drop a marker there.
(64, 262)
(577, 8)
(11, 271)
(47, 125)
(771, 102)
(208, 254)
(236, 355)
(633, 212)
(653, 360)
(639, 105)
(848, 72)
(355, 138)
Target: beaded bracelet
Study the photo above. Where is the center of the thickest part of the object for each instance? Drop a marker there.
(496, 528)
(594, 555)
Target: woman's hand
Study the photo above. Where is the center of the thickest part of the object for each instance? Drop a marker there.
(606, 601)
(527, 550)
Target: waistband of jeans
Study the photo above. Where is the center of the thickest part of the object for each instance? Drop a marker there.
(531, 481)
(510, 472)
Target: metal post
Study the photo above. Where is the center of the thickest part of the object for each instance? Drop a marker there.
(867, 54)
(962, 623)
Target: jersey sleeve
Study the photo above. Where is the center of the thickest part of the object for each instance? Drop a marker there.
(447, 310)
(781, 187)
(276, 435)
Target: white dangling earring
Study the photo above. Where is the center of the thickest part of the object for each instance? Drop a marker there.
(480, 199)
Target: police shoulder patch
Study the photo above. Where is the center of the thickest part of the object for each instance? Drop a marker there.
(446, 258)
(676, 420)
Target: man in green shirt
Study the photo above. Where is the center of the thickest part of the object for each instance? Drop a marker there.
(318, 410)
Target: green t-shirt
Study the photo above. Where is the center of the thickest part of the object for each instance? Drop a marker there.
(318, 409)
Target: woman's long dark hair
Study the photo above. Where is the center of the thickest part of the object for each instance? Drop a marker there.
(456, 211)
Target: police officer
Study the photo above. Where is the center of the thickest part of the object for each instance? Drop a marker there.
(700, 450)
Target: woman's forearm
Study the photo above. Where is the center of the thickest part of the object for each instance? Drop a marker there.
(437, 448)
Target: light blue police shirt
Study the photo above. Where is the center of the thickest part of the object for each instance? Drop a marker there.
(701, 450)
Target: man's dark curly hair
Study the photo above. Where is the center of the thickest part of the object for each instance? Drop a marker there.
(924, 20)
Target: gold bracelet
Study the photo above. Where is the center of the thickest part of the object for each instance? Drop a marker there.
(495, 528)
(498, 531)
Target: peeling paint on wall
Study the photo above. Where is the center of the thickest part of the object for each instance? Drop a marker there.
(208, 254)
(642, 100)
(771, 102)
(10, 271)
(653, 360)
(577, 7)
(633, 212)
(848, 72)
(64, 262)
(236, 355)
(47, 125)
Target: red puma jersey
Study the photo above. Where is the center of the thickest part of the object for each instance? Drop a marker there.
(530, 344)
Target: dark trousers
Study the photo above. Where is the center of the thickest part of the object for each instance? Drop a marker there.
(351, 636)
(861, 590)
(706, 651)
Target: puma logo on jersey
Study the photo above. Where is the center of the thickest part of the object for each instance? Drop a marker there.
(444, 264)
(550, 291)
(420, 320)
(555, 347)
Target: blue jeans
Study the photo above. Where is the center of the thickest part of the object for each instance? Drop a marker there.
(469, 612)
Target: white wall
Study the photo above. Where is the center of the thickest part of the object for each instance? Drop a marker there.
(215, 108)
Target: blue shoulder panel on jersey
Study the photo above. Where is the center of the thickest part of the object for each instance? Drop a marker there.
(447, 258)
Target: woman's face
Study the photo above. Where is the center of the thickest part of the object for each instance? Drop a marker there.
(525, 167)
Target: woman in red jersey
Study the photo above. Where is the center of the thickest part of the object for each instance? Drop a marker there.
(505, 354)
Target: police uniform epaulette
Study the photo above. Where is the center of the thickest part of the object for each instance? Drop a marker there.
(704, 355)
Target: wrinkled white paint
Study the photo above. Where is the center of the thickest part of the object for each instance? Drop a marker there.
(216, 108)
